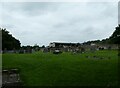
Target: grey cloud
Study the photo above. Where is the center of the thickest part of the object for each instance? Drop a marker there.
(38, 22)
(119, 12)
(31, 8)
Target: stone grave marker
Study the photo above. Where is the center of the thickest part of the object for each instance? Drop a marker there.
(11, 78)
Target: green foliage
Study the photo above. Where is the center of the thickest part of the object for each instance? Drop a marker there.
(115, 38)
(89, 42)
(66, 69)
(8, 41)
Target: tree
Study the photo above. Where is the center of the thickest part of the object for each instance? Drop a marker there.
(115, 37)
(8, 41)
(43, 46)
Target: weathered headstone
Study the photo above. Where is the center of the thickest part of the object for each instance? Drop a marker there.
(57, 51)
(11, 78)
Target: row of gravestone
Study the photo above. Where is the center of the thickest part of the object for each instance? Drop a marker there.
(55, 50)
(21, 51)
(97, 57)
(48, 49)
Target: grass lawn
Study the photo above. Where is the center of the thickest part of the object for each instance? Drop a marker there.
(66, 69)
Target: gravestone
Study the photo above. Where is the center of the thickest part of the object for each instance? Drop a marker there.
(11, 78)
(57, 51)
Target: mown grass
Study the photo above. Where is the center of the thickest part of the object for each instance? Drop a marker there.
(66, 69)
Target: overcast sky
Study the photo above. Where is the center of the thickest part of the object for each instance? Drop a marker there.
(44, 22)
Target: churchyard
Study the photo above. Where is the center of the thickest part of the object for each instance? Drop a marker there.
(98, 68)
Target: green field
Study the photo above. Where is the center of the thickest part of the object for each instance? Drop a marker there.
(66, 69)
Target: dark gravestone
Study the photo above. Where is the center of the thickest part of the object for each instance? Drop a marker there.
(101, 48)
(21, 51)
(11, 79)
(45, 50)
(5, 74)
(14, 75)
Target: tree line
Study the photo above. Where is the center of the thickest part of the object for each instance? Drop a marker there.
(113, 39)
(9, 42)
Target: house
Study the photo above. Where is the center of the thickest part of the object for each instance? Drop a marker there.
(59, 44)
